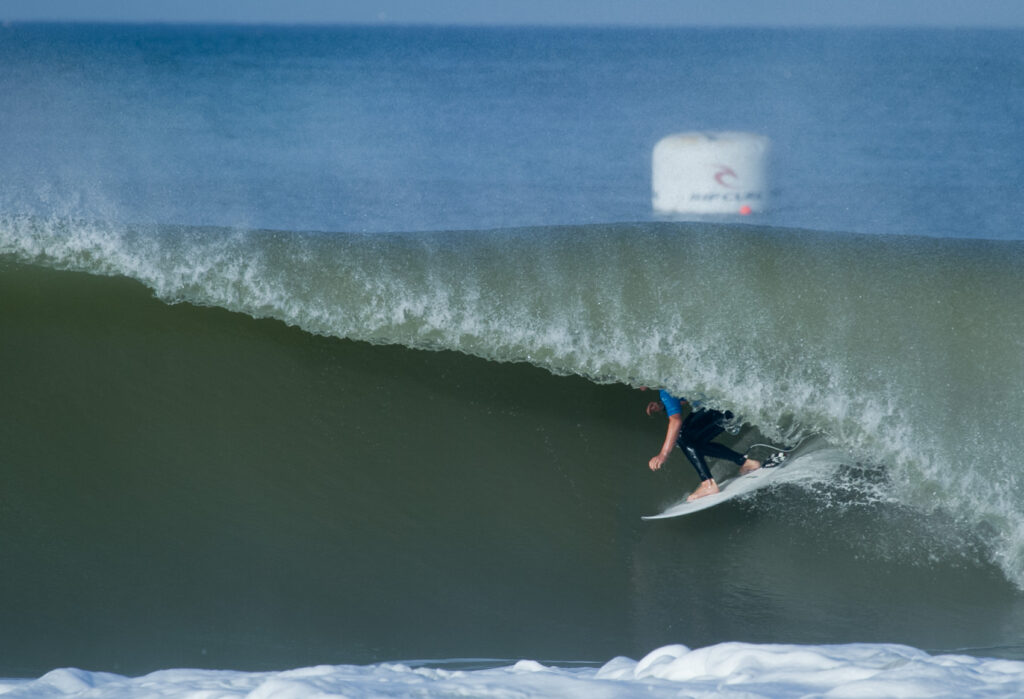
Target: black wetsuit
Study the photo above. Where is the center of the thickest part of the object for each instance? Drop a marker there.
(699, 428)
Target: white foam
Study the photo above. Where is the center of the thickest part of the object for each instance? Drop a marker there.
(724, 670)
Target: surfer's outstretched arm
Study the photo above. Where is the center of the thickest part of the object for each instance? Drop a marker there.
(675, 423)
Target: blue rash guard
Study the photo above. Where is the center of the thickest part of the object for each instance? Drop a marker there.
(673, 405)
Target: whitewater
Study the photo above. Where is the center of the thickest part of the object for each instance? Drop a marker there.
(727, 670)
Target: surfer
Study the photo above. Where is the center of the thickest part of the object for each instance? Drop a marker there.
(693, 435)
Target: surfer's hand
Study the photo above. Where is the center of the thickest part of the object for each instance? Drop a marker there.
(656, 462)
(654, 406)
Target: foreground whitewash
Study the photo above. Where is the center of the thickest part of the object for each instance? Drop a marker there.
(725, 670)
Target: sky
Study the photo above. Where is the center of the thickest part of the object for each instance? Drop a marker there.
(954, 13)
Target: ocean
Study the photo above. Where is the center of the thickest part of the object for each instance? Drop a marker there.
(322, 351)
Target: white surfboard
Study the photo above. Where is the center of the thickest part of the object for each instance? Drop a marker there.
(727, 490)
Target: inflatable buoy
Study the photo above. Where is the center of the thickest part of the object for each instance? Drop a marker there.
(703, 172)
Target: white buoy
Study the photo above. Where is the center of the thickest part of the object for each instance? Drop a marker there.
(722, 172)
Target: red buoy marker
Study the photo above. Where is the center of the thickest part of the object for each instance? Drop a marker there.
(745, 210)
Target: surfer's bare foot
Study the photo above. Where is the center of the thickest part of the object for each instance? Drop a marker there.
(708, 487)
(749, 465)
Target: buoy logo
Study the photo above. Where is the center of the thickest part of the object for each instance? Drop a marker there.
(700, 172)
(725, 171)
